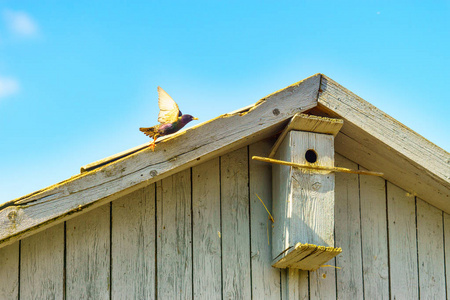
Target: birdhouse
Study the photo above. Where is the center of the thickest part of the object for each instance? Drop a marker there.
(303, 199)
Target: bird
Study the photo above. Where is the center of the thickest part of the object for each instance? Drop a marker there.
(170, 117)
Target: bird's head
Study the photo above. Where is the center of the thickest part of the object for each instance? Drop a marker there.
(187, 118)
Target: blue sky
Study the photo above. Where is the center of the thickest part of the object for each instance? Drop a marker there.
(77, 79)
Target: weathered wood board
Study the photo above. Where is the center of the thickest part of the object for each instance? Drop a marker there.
(294, 284)
(348, 232)
(265, 279)
(315, 188)
(375, 261)
(402, 243)
(133, 245)
(174, 237)
(206, 230)
(430, 243)
(322, 282)
(9, 272)
(88, 255)
(236, 263)
(280, 190)
(446, 220)
(42, 265)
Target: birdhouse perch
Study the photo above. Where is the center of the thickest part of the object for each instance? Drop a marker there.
(303, 200)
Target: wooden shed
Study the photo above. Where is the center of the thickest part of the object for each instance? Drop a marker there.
(186, 221)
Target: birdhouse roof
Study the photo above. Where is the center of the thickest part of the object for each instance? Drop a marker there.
(369, 137)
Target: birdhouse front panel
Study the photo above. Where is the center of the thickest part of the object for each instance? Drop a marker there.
(303, 199)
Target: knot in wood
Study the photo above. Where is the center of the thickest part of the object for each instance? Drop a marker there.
(12, 216)
(316, 186)
(276, 111)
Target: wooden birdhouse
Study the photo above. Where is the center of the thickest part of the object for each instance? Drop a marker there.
(303, 199)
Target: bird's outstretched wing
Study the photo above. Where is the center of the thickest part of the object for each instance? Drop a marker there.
(168, 109)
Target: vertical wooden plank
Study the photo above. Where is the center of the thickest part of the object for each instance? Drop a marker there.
(174, 275)
(206, 230)
(133, 245)
(374, 237)
(88, 255)
(42, 265)
(348, 232)
(312, 213)
(9, 271)
(294, 281)
(431, 251)
(235, 225)
(283, 284)
(322, 282)
(447, 251)
(303, 283)
(265, 278)
(294, 284)
(402, 243)
(281, 186)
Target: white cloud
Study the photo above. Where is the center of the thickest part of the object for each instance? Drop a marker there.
(20, 23)
(8, 87)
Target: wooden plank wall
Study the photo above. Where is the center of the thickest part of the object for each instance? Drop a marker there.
(203, 234)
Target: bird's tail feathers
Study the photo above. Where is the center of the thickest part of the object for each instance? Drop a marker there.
(149, 131)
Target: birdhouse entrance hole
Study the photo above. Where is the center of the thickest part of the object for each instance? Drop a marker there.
(311, 156)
